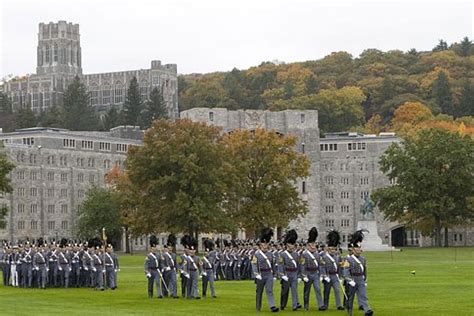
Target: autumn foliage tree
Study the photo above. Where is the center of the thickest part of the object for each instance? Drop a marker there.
(266, 179)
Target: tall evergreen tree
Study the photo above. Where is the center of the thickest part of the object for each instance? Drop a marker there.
(466, 101)
(111, 119)
(442, 45)
(78, 112)
(133, 104)
(53, 117)
(465, 47)
(5, 104)
(441, 92)
(25, 118)
(155, 109)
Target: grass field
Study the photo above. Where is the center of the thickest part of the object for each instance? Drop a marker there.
(443, 285)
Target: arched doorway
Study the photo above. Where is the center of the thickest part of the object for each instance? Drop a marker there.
(398, 237)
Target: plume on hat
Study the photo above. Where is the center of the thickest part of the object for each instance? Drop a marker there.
(313, 235)
(185, 241)
(208, 244)
(333, 238)
(358, 237)
(153, 241)
(266, 234)
(171, 242)
(290, 237)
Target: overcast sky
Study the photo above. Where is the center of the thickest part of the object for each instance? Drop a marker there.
(206, 36)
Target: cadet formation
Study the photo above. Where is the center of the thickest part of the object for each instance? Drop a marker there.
(42, 265)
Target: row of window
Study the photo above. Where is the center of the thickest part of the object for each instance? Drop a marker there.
(80, 162)
(330, 208)
(342, 223)
(346, 180)
(34, 208)
(362, 166)
(34, 225)
(345, 194)
(88, 144)
(328, 147)
(63, 193)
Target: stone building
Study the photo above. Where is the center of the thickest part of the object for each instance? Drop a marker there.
(344, 171)
(54, 168)
(59, 60)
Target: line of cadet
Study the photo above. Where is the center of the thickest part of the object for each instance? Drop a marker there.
(39, 264)
(293, 265)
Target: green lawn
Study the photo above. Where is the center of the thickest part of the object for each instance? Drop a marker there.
(441, 286)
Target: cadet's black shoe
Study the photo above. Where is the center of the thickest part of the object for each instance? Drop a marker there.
(322, 308)
(369, 313)
(198, 297)
(274, 309)
(160, 296)
(213, 296)
(341, 308)
(361, 308)
(175, 296)
(298, 306)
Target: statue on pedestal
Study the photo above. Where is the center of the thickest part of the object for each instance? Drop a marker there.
(367, 209)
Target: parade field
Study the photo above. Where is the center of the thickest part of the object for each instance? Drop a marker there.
(410, 282)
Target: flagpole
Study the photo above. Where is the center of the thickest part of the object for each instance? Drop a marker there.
(104, 238)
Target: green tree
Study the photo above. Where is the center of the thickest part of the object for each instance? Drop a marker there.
(155, 109)
(133, 104)
(5, 104)
(441, 92)
(466, 101)
(111, 119)
(465, 47)
(434, 179)
(442, 45)
(100, 210)
(180, 171)
(52, 117)
(266, 170)
(5, 187)
(25, 118)
(78, 112)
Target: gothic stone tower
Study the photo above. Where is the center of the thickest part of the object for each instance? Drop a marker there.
(59, 49)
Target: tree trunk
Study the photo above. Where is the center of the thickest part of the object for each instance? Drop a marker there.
(127, 241)
(438, 232)
(446, 239)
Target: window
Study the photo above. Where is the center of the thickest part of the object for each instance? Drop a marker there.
(21, 191)
(80, 177)
(63, 177)
(34, 225)
(50, 193)
(327, 166)
(329, 194)
(94, 97)
(51, 225)
(87, 144)
(104, 146)
(121, 148)
(211, 116)
(302, 148)
(329, 180)
(34, 175)
(63, 208)
(356, 146)
(51, 160)
(345, 222)
(91, 178)
(63, 193)
(328, 147)
(33, 192)
(345, 180)
(364, 194)
(460, 237)
(69, 143)
(118, 96)
(80, 193)
(50, 176)
(80, 162)
(20, 175)
(106, 164)
(32, 158)
(364, 180)
(63, 161)
(329, 223)
(344, 195)
(302, 118)
(51, 209)
(329, 208)
(21, 224)
(21, 208)
(64, 225)
(303, 187)
(28, 141)
(345, 208)
(106, 96)
(55, 52)
(90, 162)
(392, 181)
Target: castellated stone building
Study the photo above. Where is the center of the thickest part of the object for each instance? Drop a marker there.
(59, 61)
(54, 168)
(344, 171)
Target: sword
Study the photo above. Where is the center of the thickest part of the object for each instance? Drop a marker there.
(345, 295)
(163, 280)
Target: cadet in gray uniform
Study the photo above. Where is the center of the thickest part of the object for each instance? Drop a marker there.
(63, 264)
(40, 264)
(168, 266)
(208, 262)
(110, 268)
(288, 266)
(192, 269)
(152, 266)
(97, 266)
(355, 273)
(311, 265)
(263, 267)
(332, 269)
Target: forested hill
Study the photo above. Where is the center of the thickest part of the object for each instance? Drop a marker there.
(346, 90)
